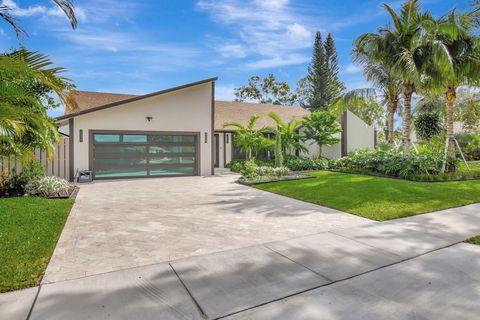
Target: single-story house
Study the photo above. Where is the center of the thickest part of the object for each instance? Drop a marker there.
(174, 132)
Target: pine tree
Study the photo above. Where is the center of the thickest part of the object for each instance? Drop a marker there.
(334, 86)
(321, 86)
(317, 76)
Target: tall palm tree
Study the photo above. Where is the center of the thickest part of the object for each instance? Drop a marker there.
(402, 47)
(461, 66)
(249, 139)
(65, 5)
(379, 70)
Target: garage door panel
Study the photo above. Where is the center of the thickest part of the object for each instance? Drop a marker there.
(150, 154)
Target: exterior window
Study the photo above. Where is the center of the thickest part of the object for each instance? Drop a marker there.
(107, 138)
(134, 138)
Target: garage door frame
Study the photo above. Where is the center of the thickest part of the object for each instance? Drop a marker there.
(91, 141)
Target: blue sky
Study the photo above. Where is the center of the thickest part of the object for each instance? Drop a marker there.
(143, 46)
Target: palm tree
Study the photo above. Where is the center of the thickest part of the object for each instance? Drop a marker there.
(290, 139)
(458, 66)
(65, 5)
(24, 124)
(249, 139)
(402, 47)
(379, 71)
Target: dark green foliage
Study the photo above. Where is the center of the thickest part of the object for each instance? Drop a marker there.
(470, 145)
(266, 90)
(428, 125)
(393, 163)
(15, 184)
(334, 86)
(321, 127)
(321, 86)
(305, 164)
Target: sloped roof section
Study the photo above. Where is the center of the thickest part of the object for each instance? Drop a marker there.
(225, 111)
(241, 112)
(85, 100)
(93, 102)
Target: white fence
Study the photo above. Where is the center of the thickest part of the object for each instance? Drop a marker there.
(58, 165)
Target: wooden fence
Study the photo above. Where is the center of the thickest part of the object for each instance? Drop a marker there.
(57, 165)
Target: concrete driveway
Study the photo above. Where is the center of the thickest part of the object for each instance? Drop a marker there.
(122, 224)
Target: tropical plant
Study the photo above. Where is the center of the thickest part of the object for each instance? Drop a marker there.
(65, 5)
(290, 139)
(403, 47)
(455, 62)
(428, 125)
(467, 110)
(24, 123)
(266, 90)
(305, 164)
(248, 138)
(321, 127)
(49, 187)
(393, 163)
(378, 69)
(469, 144)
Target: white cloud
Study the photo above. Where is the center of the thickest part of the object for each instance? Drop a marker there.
(352, 68)
(39, 10)
(278, 62)
(271, 30)
(232, 51)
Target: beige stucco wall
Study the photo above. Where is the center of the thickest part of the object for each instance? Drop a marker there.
(359, 134)
(186, 110)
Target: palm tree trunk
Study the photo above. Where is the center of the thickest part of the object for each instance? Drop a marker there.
(451, 94)
(451, 98)
(390, 120)
(407, 116)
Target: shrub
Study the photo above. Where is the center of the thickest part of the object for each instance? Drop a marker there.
(305, 164)
(392, 163)
(249, 169)
(15, 184)
(428, 124)
(237, 165)
(470, 145)
(49, 187)
(274, 172)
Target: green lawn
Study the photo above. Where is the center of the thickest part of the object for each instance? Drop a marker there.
(377, 198)
(474, 240)
(29, 230)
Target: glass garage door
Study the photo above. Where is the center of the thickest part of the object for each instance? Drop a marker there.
(117, 155)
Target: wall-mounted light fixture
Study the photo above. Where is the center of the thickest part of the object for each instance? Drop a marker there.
(80, 135)
(149, 118)
(226, 136)
(206, 137)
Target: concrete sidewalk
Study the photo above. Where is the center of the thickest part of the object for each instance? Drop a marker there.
(407, 268)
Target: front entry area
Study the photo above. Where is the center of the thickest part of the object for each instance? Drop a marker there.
(137, 154)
